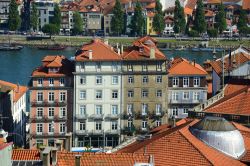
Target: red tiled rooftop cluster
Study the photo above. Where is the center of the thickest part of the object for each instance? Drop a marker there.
(25, 154)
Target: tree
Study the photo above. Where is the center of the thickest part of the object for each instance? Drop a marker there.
(220, 19)
(212, 32)
(137, 22)
(34, 17)
(242, 21)
(200, 24)
(14, 20)
(158, 20)
(179, 18)
(78, 23)
(117, 21)
(56, 19)
(51, 29)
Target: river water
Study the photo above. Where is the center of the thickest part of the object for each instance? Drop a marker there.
(17, 66)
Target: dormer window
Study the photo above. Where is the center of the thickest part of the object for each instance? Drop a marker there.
(141, 49)
(51, 81)
(53, 70)
(39, 82)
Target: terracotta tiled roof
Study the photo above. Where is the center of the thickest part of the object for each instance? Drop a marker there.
(181, 66)
(246, 4)
(150, 6)
(19, 90)
(25, 154)
(236, 103)
(191, 4)
(169, 19)
(54, 61)
(188, 11)
(178, 146)
(209, 13)
(150, 14)
(145, 43)
(93, 159)
(100, 52)
(232, 88)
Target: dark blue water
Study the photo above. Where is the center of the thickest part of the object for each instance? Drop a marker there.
(17, 66)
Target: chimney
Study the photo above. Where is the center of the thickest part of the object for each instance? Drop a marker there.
(117, 46)
(194, 62)
(152, 53)
(54, 156)
(151, 160)
(59, 145)
(122, 49)
(77, 160)
(46, 156)
(119, 51)
(90, 54)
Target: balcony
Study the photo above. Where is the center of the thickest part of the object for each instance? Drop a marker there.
(144, 114)
(96, 116)
(112, 116)
(128, 116)
(58, 118)
(185, 101)
(47, 134)
(112, 132)
(96, 132)
(81, 132)
(81, 116)
(155, 114)
(128, 130)
(46, 118)
(46, 103)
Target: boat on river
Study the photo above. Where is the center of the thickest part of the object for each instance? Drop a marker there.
(52, 47)
(10, 47)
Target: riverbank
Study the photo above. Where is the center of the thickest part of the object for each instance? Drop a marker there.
(77, 41)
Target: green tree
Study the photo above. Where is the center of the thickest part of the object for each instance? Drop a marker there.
(14, 20)
(34, 17)
(242, 21)
(78, 23)
(158, 20)
(50, 29)
(179, 18)
(200, 24)
(212, 33)
(220, 19)
(117, 21)
(138, 20)
(56, 19)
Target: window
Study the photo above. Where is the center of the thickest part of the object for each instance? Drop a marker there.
(82, 94)
(62, 96)
(130, 79)
(82, 66)
(98, 126)
(175, 96)
(175, 111)
(62, 127)
(185, 95)
(196, 81)
(158, 66)
(129, 109)
(39, 112)
(158, 123)
(82, 109)
(114, 110)
(39, 142)
(144, 124)
(130, 67)
(62, 112)
(51, 81)
(144, 109)
(158, 109)
(185, 110)
(158, 79)
(114, 66)
(51, 127)
(130, 122)
(185, 81)
(114, 94)
(159, 93)
(98, 66)
(144, 79)
(39, 96)
(83, 80)
(114, 80)
(98, 109)
(51, 112)
(144, 67)
(98, 80)
(51, 96)
(144, 93)
(40, 82)
(175, 81)
(98, 94)
(196, 96)
(39, 127)
(130, 93)
(62, 81)
(114, 125)
(82, 126)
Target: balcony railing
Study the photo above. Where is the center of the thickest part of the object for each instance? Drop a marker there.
(47, 134)
(46, 118)
(81, 116)
(96, 132)
(82, 132)
(112, 132)
(45, 103)
(185, 101)
(112, 116)
(96, 116)
(127, 115)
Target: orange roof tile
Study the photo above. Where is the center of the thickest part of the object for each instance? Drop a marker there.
(19, 90)
(25, 154)
(178, 146)
(150, 6)
(191, 4)
(188, 11)
(236, 103)
(181, 66)
(100, 52)
(246, 4)
(150, 14)
(104, 159)
(209, 13)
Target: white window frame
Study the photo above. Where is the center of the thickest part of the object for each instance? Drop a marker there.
(130, 93)
(186, 95)
(82, 110)
(114, 125)
(63, 96)
(175, 111)
(51, 128)
(114, 109)
(98, 80)
(51, 81)
(98, 66)
(114, 94)
(158, 93)
(98, 94)
(175, 82)
(98, 110)
(82, 95)
(51, 96)
(62, 127)
(196, 81)
(130, 79)
(144, 93)
(144, 124)
(63, 112)
(39, 112)
(62, 81)
(39, 128)
(175, 96)
(82, 126)
(158, 79)
(144, 109)
(51, 112)
(82, 80)
(40, 82)
(185, 82)
(145, 79)
(39, 96)
(185, 110)
(158, 123)
(98, 125)
(158, 109)
(130, 108)
(196, 96)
